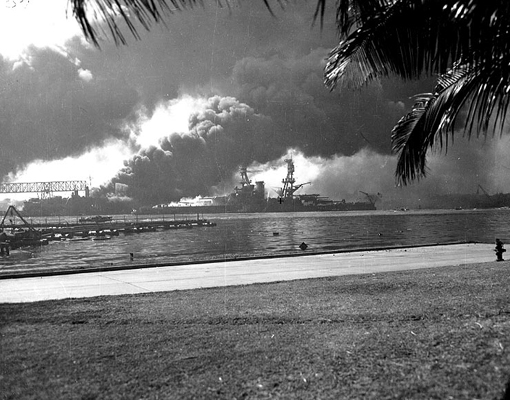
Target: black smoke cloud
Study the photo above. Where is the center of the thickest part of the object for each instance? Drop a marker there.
(50, 109)
(223, 136)
(309, 117)
(274, 65)
(50, 112)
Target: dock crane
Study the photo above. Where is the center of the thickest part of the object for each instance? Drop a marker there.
(372, 198)
(21, 235)
(484, 192)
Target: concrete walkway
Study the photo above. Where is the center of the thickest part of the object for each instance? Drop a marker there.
(239, 272)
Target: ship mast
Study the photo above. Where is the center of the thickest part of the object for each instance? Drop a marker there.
(246, 189)
(245, 181)
(249, 196)
(289, 189)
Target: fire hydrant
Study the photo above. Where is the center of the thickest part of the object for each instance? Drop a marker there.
(499, 250)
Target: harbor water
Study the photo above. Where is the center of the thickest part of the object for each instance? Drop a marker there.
(272, 234)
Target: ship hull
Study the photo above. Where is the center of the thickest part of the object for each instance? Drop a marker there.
(187, 210)
(267, 208)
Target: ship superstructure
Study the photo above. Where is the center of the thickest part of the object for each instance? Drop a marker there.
(289, 189)
(289, 200)
(249, 197)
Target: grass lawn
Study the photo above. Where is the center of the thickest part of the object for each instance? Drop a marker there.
(440, 333)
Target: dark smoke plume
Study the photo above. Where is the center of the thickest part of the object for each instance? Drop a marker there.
(222, 137)
(51, 108)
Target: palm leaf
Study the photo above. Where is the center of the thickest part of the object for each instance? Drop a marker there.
(431, 121)
(411, 37)
(485, 94)
(408, 139)
(93, 14)
(90, 14)
(354, 13)
(357, 59)
(400, 39)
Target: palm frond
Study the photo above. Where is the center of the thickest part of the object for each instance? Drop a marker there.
(485, 95)
(431, 120)
(408, 139)
(408, 38)
(91, 14)
(357, 59)
(400, 39)
(354, 13)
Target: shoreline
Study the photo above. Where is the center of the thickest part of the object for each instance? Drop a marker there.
(239, 272)
(32, 273)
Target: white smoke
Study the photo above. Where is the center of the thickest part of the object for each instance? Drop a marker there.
(338, 177)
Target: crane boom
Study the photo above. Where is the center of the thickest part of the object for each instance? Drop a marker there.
(484, 191)
(372, 198)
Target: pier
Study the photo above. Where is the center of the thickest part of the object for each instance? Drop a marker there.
(17, 231)
(114, 227)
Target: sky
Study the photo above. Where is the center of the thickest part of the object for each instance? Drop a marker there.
(178, 112)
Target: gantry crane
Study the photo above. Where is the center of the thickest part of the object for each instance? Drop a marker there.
(47, 188)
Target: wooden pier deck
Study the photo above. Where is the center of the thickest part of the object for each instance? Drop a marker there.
(30, 233)
(115, 225)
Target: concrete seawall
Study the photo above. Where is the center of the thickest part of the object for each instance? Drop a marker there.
(217, 274)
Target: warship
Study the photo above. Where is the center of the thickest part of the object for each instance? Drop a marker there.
(251, 198)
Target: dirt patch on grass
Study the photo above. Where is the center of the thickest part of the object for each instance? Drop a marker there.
(424, 334)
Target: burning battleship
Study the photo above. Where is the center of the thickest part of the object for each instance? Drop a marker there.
(251, 198)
